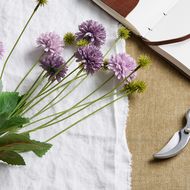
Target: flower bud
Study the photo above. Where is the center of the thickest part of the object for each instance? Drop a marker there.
(82, 43)
(123, 33)
(42, 2)
(69, 39)
(134, 87)
(144, 61)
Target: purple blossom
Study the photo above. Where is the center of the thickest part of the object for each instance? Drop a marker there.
(92, 31)
(1, 50)
(55, 66)
(91, 58)
(50, 42)
(123, 65)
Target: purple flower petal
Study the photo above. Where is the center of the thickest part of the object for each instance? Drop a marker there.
(93, 32)
(51, 43)
(91, 57)
(52, 64)
(123, 65)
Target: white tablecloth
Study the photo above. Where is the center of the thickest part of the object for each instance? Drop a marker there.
(92, 156)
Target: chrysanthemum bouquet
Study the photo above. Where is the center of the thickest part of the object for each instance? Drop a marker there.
(57, 80)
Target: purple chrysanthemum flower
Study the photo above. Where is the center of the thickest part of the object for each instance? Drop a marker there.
(50, 42)
(91, 57)
(1, 50)
(123, 65)
(55, 66)
(92, 31)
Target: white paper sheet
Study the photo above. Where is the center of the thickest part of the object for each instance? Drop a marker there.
(92, 156)
(173, 25)
(148, 13)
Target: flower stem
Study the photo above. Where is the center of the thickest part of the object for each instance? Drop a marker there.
(48, 106)
(60, 86)
(18, 39)
(49, 123)
(58, 113)
(31, 101)
(44, 125)
(113, 45)
(85, 117)
(28, 94)
(31, 69)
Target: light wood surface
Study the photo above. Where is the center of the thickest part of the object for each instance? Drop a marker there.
(153, 118)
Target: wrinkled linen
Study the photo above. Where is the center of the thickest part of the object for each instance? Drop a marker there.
(93, 155)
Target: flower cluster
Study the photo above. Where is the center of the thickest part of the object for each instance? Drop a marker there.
(51, 43)
(55, 66)
(52, 61)
(87, 43)
(91, 57)
(123, 66)
(93, 32)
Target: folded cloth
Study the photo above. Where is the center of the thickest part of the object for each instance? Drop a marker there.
(93, 155)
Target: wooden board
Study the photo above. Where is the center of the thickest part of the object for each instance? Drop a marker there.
(153, 118)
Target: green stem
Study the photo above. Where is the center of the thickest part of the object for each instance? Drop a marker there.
(31, 101)
(69, 116)
(60, 86)
(27, 73)
(85, 117)
(47, 107)
(113, 45)
(58, 113)
(115, 88)
(45, 87)
(78, 103)
(28, 94)
(50, 122)
(18, 39)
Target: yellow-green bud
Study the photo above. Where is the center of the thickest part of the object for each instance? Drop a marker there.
(69, 39)
(82, 42)
(42, 2)
(144, 61)
(134, 87)
(123, 33)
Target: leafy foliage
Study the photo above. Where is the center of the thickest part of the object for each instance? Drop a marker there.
(8, 101)
(13, 144)
(11, 124)
(11, 157)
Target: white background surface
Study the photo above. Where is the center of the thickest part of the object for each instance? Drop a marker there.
(93, 156)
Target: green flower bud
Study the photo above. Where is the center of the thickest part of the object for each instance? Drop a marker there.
(69, 39)
(134, 87)
(123, 33)
(144, 61)
(105, 64)
(82, 42)
(42, 2)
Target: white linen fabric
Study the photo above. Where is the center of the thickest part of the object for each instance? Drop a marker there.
(92, 156)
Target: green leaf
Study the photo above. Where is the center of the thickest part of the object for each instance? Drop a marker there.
(1, 86)
(22, 143)
(8, 101)
(13, 123)
(11, 157)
